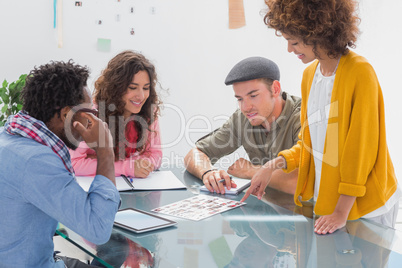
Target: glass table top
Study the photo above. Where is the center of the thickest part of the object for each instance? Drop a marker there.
(272, 232)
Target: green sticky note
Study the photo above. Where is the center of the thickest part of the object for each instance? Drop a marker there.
(220, 251)
(104, 45)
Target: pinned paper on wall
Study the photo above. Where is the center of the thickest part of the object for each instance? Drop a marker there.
(54, 13)
(104, 45)
(236, 14)
(58, 20)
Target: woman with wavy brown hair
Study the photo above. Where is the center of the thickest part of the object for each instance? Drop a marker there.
(126, 99)
(342, 155)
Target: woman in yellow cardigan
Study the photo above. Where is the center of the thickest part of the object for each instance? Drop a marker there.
(342, 155)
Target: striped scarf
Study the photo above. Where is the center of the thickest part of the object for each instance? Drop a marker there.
(26, 126)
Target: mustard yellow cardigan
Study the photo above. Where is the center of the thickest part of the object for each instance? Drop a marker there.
(356, 161)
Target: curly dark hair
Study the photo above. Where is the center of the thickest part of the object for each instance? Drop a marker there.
(53, 86)
(330, 24)
(112, 85)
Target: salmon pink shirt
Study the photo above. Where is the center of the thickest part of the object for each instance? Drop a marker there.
(86, 166)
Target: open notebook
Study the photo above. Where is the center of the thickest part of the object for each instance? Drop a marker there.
(157, 180)
(241, 185)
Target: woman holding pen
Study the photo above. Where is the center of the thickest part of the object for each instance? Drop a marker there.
(126, 98)
(342, 155)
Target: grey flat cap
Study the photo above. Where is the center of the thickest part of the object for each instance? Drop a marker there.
(253, 68)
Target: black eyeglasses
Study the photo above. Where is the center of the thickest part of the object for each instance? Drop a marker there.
(88, 110)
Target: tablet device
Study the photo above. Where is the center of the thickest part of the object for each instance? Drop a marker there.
(140, 221)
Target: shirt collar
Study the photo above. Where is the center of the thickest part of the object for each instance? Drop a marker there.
(287, 111)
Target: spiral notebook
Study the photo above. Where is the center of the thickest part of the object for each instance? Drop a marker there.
(241, 185)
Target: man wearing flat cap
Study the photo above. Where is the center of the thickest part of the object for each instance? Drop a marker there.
(267, 122)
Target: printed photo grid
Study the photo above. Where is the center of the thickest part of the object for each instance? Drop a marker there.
(198, 207)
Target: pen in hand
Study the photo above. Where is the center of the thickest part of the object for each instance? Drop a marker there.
(223, 180)
(233, 184)
(126, 178)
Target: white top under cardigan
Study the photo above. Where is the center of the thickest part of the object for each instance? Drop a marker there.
(318, 105)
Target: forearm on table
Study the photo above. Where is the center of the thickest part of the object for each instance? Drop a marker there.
(251, 171)
(127, 166)
(197, 163)
(152, 152)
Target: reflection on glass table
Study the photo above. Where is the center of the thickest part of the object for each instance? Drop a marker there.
(272, 232)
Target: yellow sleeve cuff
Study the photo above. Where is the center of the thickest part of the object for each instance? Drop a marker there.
(352, 189)
(290, 161)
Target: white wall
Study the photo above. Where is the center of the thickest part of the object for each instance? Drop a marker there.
(193, 50)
